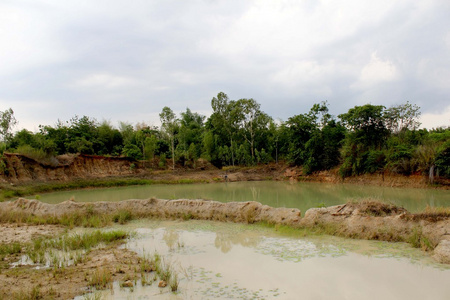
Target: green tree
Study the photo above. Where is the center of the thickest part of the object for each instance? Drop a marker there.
(402, 117)
(364, 141)
(224, 122)
(7, 122)
(151, 144)
(251, 122)
(110, 140)
(300, 129)
(169, 125)
(190, 135)
(367, 122)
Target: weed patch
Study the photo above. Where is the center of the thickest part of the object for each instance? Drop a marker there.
(101, 279)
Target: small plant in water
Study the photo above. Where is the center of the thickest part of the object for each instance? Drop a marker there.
(173, 283)
(93, 296)
(100, 279)
(122, 217)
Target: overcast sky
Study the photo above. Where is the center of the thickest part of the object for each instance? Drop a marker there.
(126, 60)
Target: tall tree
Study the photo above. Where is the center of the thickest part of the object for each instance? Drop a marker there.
(252, 121)
(402, 117)
(367, 122)
(169, 124)
(7, 122)
(224, 120)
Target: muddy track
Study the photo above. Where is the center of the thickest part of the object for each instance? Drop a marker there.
(364, 220)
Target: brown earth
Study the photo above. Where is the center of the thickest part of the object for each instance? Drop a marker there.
(26, 282)
(25, 233)
(20, 169)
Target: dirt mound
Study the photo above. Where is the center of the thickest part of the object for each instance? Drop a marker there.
(372, 208)
(246, 212)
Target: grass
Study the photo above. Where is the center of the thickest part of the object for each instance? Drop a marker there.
(432, 214)
(89, 220)
(122, 216)
(286, 230)
(165, 271)
(59, 251)
(10, 249)
(173, 283)
(101, 279)
(33, 294)
(418, 240)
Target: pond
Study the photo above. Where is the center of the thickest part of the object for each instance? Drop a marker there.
(300, 195)
(234, 261)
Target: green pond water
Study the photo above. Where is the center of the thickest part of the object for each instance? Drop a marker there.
(274, 193)
(234, 261)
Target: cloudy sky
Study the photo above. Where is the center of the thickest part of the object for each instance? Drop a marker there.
(126, 60)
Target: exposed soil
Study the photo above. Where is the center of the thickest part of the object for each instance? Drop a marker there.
(20, 169)
(26, 282)
(24, 233)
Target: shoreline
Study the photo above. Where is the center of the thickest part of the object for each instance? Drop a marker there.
(10, 190)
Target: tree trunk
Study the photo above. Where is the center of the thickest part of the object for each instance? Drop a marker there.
(431, 174)
(173, 153)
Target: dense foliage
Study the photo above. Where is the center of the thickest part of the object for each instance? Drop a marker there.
(366, 139)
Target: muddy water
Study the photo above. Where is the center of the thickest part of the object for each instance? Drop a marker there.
(234, 261)
(275, 194)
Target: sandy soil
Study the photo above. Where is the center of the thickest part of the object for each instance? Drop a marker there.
(24, 233)
(24, 282)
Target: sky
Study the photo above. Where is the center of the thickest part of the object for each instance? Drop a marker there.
(125, 60)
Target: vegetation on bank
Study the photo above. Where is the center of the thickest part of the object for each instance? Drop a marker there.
(366, 139)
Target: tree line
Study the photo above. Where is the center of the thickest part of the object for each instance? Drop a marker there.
(366, 139)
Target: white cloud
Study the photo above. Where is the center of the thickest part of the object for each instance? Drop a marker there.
(149, 54)
(27, 40)
(105, 81)
(436, 119)
(375, 72)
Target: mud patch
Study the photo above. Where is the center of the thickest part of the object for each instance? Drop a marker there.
(24, 233)
(23, 282)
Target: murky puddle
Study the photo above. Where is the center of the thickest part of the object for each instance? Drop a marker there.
(234, 261)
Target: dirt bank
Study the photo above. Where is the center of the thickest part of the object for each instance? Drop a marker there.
(21, 170)
(366, 220)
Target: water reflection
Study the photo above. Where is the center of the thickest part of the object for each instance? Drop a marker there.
(225, 240)
(172, 238)
(228, 261)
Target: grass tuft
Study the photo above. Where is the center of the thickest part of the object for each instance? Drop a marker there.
(101, 279)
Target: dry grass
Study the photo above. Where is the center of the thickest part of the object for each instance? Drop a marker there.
(432, 214)
(101, 279)
(375, 208)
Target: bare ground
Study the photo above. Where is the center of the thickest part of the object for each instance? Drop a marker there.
(26, 282)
